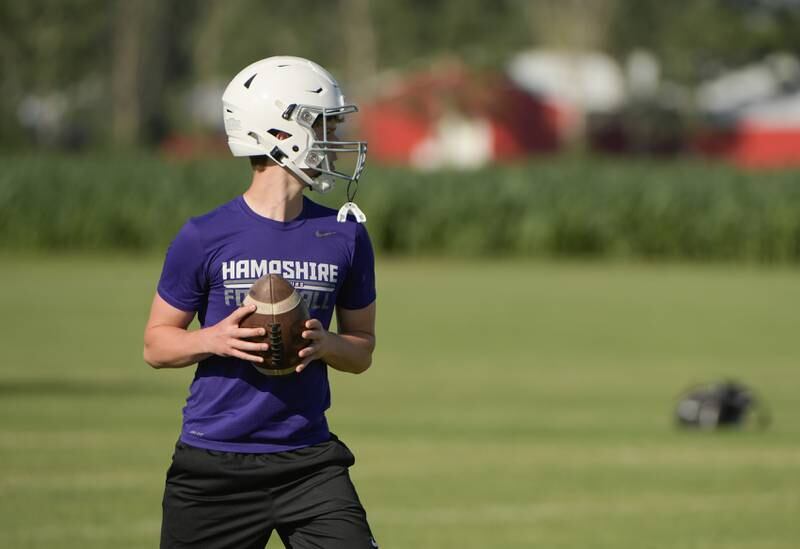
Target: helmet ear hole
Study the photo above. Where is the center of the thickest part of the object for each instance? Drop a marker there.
(254, 136)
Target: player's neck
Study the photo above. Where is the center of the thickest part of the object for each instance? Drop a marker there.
(275, 194)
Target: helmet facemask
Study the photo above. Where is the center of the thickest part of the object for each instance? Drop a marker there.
(322, 153)
(317, 165)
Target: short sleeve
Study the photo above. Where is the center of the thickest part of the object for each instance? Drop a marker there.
(183, 282)
(358, 287)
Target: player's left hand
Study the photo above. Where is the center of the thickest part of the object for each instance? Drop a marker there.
(320, 340)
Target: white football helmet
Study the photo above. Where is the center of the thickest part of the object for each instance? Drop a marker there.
(299, 98)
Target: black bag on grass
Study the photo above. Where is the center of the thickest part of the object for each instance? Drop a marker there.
(721, 404)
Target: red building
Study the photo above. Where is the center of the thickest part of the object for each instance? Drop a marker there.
(452, 116)
(766, 135)
(754, 113)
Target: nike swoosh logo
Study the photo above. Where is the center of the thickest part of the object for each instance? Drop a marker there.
(323, 234)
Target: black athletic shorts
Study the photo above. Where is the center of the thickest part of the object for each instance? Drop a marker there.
(216, 500)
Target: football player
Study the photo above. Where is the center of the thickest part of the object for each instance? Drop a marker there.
(255, 454)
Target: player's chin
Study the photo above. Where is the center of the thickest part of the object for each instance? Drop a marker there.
(313, 174)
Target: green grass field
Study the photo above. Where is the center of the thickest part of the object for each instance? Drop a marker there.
(510, 404)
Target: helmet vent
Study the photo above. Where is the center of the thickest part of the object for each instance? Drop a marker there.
(249, 81)
(274, 132)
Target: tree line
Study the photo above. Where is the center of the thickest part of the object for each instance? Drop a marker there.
(117, 70)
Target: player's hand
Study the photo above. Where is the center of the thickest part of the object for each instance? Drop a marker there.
(320, 340)
(226, 338)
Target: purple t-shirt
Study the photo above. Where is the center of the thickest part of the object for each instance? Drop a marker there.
(209, 268)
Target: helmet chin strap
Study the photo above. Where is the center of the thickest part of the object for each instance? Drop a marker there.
(324, 183)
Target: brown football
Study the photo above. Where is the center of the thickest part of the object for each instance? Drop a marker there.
(282, 313)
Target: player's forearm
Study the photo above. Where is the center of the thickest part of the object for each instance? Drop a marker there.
(350, 352)
(172, 347)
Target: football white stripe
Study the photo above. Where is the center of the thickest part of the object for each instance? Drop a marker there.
(274, 308)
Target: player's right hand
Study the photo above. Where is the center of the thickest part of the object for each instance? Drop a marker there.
(226, 338)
